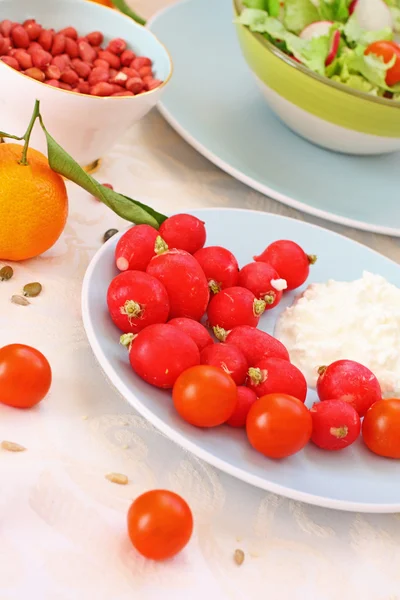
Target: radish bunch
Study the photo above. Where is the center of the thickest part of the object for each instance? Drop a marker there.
(181, 306)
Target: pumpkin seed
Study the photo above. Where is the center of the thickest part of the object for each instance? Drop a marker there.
(6, 273)
(109, 234)
(31, 290)
(238, 557)
(19, 300)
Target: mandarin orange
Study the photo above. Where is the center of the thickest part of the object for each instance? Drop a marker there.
(33, 204)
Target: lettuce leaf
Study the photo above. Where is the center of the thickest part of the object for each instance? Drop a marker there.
(356, 35)
(298, 14)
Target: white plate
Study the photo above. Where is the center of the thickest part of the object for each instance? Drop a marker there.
(353, 479)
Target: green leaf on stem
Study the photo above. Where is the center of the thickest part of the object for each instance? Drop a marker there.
(124, 8)
(131, 210)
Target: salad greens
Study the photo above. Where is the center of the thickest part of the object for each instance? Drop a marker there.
(326, 36)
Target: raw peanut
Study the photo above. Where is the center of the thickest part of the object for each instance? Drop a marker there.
(58, 46)
(82, 39)
(117, 46)
(131, 72)
(5, 27)
(145, 71)
(33, 29)
(117, 89)
(24, 59)
(97, 75)
(86, 52)
(64, 86)
(127, 57)
(20, 37)
(120, 78)
(113, 73)
(41, 59)
(53, 72)
(34, 46)
(4, 45)
(152, 85)
(67, 59)
(69, 76)
(8, 43)
(11, 62)
(134, 85)
(99, 62)
(139, 62)
(70, 32)
(84, 87)
(12, 51)
(71, 47)
(147, 79)
(82, 68)
(46, 39)
(102, 89)
(35, 73)
(124, 93)
(95, 38)
(53, 83)
(111, 58)
(60, 62)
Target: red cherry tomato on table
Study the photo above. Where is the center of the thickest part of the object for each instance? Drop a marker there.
(278, 425)
(205, 396)
(381, 428)
(25, 376)
(160, 524)
(387, 50)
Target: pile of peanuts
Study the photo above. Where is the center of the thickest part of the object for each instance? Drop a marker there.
(65, 60)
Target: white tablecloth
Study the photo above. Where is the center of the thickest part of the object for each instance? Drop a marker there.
(62, 524)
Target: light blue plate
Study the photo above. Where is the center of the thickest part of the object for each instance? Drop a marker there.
(353, 479)
(215, 105)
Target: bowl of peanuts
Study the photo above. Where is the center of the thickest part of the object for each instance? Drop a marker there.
(95, 71)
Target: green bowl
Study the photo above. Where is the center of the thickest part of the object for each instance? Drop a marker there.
(323, 111)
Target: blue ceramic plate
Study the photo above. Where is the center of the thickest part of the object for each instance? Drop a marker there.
(353, 479)
(215, 105)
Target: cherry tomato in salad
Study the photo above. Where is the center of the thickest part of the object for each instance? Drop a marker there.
(160, 524)
(25, 376)
(205, 396)
(387, 50)
(278, 425)
(381, 428)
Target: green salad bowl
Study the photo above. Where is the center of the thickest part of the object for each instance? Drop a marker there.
(322, 111)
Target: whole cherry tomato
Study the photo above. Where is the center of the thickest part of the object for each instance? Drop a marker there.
(278, 425)
(25, 376)
(160, 524)
(387, 50)
(381, 428)
(205, 396)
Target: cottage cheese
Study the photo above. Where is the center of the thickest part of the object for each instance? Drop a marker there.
(357, 320)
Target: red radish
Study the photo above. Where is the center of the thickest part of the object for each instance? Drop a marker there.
(195, 330)
(184, 232)
(352, 6)
(136, 300)
(335, 41)
(336, 424)
(277, 376)
(245, 400)
(351, 382)
(137, 247)
(316, 29)
(227, 357)
(160, 353)
(265, 283)
(373, 15)
(220, 267)
(289, 260)
(185, 282)
(256, 344)
(233, 307)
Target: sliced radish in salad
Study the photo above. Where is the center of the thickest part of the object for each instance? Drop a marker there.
(334, 48)
(317, 29)
(373, 15)
(352, 6)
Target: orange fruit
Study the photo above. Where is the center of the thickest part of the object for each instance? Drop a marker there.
(103, 2)
(33, 204)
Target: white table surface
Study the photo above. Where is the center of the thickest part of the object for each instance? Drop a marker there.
(62, 524)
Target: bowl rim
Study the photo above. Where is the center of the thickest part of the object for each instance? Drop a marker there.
(103, 98)
(306, 71)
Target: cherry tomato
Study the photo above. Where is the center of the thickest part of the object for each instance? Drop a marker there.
(278, 425)
(160, 524)
(205, 396)
(381, 428)
(25, 376)
(387, 50)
